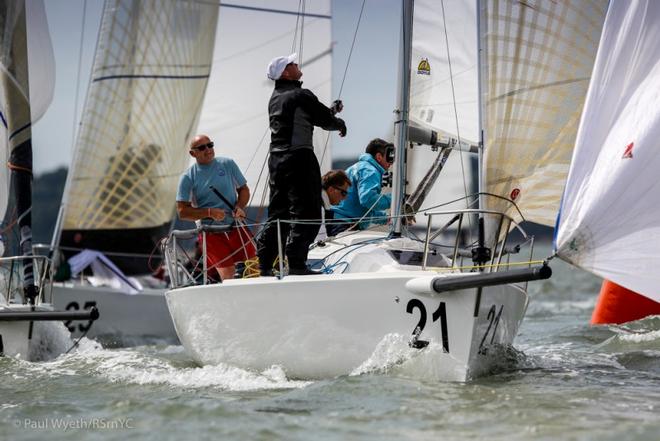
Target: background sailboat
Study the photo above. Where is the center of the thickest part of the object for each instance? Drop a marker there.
(24, 278)
(148, 82)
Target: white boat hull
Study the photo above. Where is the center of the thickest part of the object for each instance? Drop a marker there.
(125, 320)
(15, 338)
(328, 325)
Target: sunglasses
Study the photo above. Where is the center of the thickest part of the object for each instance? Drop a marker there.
(341, 190)
(201, 148)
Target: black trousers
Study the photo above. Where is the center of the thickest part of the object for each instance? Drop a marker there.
(295, 194)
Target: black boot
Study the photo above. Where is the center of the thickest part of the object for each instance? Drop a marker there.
(304, 271)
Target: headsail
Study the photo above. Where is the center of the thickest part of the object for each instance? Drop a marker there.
(537, 59)
(150, 73)
(609, 220)
(235, 110)
(431, 98)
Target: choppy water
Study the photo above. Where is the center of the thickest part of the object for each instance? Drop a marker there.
(566, 380)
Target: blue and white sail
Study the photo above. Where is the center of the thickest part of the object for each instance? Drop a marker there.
(609, 223)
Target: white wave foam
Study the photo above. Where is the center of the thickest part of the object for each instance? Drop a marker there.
(641, 337)
(392, 350)
(135, 367)
(393, 355)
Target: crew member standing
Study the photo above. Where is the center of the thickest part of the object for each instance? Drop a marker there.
(214, 190)
(295, 175)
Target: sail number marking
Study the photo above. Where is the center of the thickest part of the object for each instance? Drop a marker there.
(494, 321)
(74, 306)
(439, 313)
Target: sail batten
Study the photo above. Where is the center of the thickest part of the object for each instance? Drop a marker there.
(148, 81)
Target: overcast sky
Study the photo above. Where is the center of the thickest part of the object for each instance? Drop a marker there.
(369, 91)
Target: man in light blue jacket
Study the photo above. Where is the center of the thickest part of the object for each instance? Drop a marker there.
(365, 200)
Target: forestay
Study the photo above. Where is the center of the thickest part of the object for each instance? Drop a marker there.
(148, 81)
(431, 98)
(235, 110)
(537, 59)
(610, 219)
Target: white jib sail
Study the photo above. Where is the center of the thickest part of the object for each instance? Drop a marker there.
(538, 57)
(148, 81)
(431, 98)
(609, 221)
(235, 110)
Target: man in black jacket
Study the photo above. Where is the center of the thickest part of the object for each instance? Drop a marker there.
(295, 175)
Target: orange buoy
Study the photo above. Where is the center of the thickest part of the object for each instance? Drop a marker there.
(617, 304)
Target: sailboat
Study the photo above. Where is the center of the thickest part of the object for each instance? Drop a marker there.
(529, 67)
(162, 70)
(24, 277)
(150, 72)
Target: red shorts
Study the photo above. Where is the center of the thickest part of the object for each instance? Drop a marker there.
(225, 249)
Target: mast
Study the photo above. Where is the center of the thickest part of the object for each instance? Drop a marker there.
(401, 125)
(480, 254)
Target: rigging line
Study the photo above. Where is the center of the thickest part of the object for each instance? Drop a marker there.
(300, 24)
(274, 11)
(453, 94)
(348, 62)
(80, 50)
(350, 53)
(295, 32)
(302, 32)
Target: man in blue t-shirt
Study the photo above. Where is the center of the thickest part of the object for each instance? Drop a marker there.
(195, 200)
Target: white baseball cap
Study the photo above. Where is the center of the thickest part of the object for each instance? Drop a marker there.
(277, 66)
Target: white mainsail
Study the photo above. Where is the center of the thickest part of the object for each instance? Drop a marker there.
(431, 97)
(235, 110)
(537, 58)
(148, 81)
(609, 219)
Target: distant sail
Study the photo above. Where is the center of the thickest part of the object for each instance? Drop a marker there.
(148, 81)
(537, 58)
(609, 221)
(235, 110)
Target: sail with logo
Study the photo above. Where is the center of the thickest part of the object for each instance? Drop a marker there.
(444, 99)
